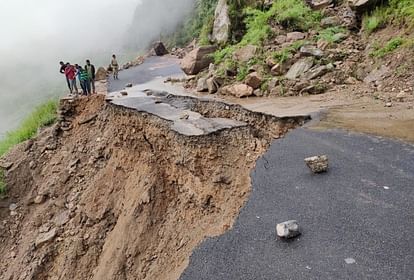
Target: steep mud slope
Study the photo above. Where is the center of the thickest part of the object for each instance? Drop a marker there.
(112, 192)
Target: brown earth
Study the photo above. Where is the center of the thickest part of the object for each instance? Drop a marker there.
(110, 193)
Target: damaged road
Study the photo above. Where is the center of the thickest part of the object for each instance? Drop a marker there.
(357, 219)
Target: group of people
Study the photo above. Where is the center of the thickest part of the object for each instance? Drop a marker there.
(85, 75)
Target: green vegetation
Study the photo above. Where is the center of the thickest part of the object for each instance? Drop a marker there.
(375, 21)
(396, 12)
(332, 34)
(294, 14)
(287, 52)
(389, 47)
(198, 25)
(43, 115)
(257, 27)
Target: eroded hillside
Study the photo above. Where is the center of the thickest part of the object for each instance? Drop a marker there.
(112, 193)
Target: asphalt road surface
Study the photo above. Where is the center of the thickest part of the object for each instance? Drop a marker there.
(153, 67)
(357, 220)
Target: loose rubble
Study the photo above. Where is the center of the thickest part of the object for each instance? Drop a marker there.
(288, 229)
(317, 164)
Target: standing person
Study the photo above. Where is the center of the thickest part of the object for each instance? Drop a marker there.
(62, 71)
(70, 73)
(115, 67)
(78, 75)
(85, 82)
(90, 68)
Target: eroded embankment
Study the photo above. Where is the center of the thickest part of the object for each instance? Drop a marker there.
(112, 193)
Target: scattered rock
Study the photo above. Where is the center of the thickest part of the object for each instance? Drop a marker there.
(295, 36)
(258, 92)
(362, 6)
(222, 23)
(62, 218)
(212, 85)
(317, 164)
(197, 60)
(315, 72)
(13, 207)
(39, 199)
(288, 229)
(45, 237)
(245, 54)
(160, 49)
(128, 85)
(388, 104)
(402, 96)
(100, 74)
(123, 93)
(350, 261)
(330, 21)
(237, 90)
(310, 50)
(202, 85)
(254, 80)
(280, 39)
(6, 165)
(378, 74)
(299, 68)
(320, 4)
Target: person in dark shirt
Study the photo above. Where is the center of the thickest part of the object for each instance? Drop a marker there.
(62, 71)
(90, 68)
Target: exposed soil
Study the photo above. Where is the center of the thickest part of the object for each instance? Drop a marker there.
(110, 193)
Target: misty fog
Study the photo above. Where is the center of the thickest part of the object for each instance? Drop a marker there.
(36, 35)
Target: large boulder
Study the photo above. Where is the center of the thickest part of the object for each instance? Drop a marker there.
(197, 60)
(160, 49)
(237, 90)
(245, 54)
(254, 80)
(221, 27)
(299, 68)
(100, 74)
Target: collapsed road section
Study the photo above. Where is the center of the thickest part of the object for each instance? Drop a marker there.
(127, 188)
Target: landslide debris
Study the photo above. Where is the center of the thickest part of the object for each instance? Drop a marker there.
(113, 193)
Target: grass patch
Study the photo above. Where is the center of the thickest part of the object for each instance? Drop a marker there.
(294, 14)
(389, 47)
(332, 34)
(396, 12)
(43, 115)
(287, 52)
(257, 27)
(376, 20)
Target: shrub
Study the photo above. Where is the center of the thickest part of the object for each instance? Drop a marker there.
(257, 27)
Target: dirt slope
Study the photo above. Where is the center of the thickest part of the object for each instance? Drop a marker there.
(110, 193)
